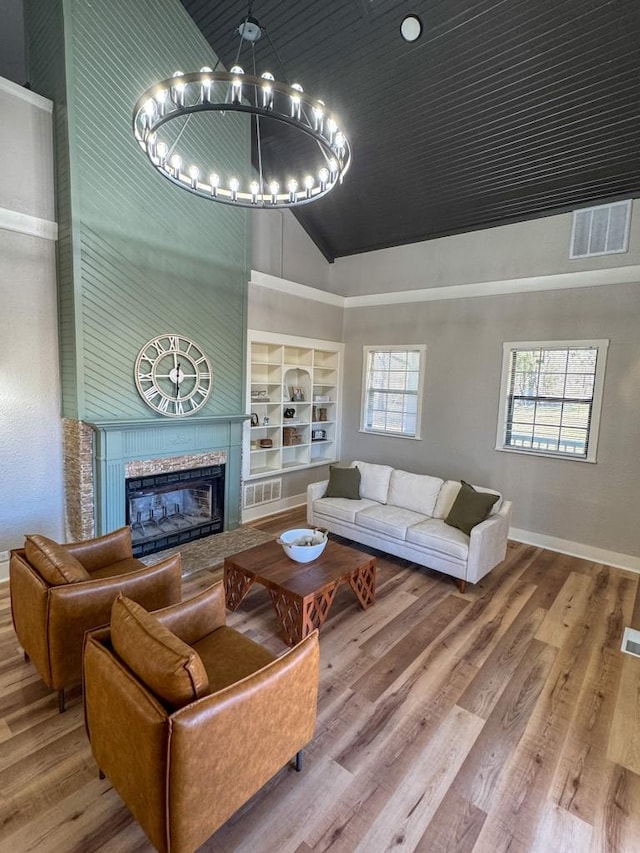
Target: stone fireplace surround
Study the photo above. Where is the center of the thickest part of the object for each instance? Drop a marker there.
(100, 456)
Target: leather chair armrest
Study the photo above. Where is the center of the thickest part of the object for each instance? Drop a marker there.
(97, 553)
(77, 607)
(193, 619)
(29, 605)
(244, 733)
(128, 730)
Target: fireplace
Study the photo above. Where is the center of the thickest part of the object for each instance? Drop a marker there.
(165, 510)
(103, 458)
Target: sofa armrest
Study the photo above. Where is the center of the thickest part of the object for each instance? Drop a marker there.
(193, 619)
(488, 543)
(97, 553)
(245, 732)
(76, 607)
(314, 491)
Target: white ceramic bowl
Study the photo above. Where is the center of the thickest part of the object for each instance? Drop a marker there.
(299, 552)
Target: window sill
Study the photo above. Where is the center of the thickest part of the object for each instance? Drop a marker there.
(390, 434)
(546, 453)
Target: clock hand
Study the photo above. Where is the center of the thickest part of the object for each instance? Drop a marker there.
(178, 381)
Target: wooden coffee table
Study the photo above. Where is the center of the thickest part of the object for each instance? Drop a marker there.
(302, 593)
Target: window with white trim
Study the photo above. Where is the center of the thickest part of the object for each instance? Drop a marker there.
(551, 397)
(392, 383)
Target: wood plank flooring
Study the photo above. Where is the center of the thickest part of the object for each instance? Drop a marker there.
(504, 719)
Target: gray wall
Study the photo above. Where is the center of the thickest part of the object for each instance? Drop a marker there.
(30, 426)
(592, 504)
(539, 247)
(280, 246)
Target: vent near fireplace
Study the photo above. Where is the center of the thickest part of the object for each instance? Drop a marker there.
(262, 493)
(601, 230)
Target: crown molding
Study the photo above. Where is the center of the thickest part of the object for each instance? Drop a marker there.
(292, 288)
(560, 281)
(25, 95)
(23, 223)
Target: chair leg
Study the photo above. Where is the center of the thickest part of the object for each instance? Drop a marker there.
(100, 774)
(298, 761)
(61, 700)
(463, 586)
(26, 657)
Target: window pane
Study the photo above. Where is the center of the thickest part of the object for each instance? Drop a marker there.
(582, 361)
(549, 399)
(392, 391)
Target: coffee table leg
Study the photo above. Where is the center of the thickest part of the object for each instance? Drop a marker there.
(363, 583)
(298, 616)
(236, 586)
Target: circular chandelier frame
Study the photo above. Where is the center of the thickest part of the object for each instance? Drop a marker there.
(184, 95)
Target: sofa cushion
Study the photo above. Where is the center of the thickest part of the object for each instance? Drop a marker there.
(53, 562)
(470, 508)
(417, 492)
(374, 481)
(388, 520)
(343, 483)
(342, 509)
(440, 538)
(170, 668)
(449, 492)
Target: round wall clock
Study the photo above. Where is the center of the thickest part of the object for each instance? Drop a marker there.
(173, 375)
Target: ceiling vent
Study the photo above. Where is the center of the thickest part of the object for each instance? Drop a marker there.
(631, 642)
(602, 230)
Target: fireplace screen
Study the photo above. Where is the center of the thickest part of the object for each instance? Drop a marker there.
(165, 510)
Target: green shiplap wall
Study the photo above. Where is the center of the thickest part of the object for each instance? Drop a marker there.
(143, 257)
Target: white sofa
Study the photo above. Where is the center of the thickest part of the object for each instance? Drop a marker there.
(403, 514)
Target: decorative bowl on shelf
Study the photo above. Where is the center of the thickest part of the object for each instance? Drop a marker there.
(303, 544)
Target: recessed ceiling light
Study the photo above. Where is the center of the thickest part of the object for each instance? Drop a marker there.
(411, 28)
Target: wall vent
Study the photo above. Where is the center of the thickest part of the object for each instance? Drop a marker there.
(262, 492)
(602, 230)
(631, 642)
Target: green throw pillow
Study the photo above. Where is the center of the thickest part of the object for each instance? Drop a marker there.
(343, 483)
(470, 508)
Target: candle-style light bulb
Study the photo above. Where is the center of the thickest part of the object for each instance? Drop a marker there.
(267, 90)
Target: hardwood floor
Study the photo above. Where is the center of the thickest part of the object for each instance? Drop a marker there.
(502, 719)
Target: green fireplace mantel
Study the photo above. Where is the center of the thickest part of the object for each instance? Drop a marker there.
(120, 442)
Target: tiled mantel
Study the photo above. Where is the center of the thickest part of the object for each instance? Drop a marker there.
(118, 444)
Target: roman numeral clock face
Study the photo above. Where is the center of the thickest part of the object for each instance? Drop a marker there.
(173, 375)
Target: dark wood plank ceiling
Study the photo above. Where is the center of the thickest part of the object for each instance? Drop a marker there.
(503, 109)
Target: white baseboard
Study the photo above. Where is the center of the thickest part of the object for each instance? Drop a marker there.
(576, 549)
(273, 507)
(4, 570)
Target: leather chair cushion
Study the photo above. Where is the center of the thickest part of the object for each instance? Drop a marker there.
(168, 667)
(229, 656)
(53, 562)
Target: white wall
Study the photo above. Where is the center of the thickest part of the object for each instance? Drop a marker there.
(31, 478)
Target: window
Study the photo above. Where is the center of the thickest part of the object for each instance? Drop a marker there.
(392, 390)
(550, 398)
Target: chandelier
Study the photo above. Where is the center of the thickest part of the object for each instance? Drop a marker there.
(188, 126)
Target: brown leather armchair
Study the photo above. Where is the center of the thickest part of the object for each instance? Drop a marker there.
(60, 591)
(188, 718)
